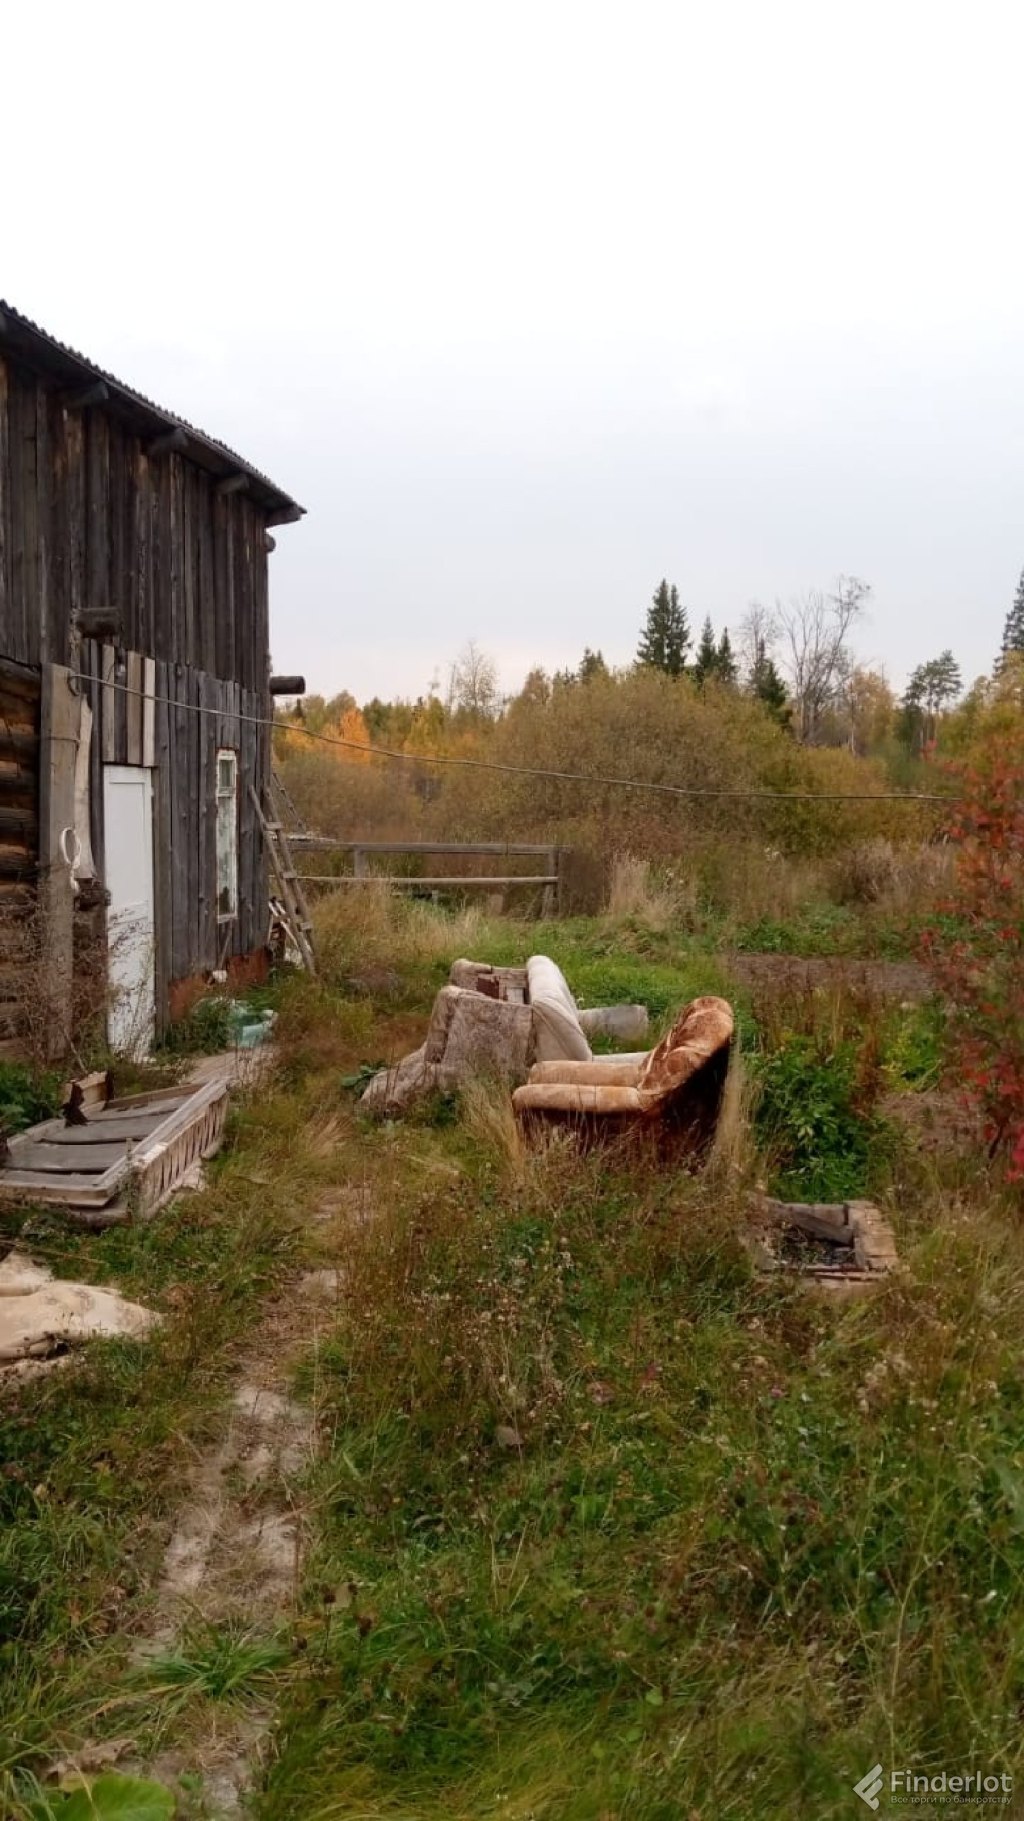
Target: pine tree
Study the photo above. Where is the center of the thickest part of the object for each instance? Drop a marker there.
(705, 663)
(767, 685)
(725, 663)
(666, 634)
(592, 665)
(1013, 631)
(932, 687)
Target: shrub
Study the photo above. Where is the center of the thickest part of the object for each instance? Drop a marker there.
(976, 946)
(809, 1121)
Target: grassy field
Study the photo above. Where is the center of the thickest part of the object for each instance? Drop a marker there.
(602, 1524)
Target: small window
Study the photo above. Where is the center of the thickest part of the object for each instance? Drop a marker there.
(227, 835)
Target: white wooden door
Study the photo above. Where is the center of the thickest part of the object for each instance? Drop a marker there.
(128, 844)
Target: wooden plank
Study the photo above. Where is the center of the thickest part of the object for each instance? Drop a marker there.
(163, 848)
(75, 507)
(96, 693)
(510, 849)
(71, 1160)
(175, 579)
(140, 581)
(189, 542)
(24, 643)
(161, 1099)
(179, 1117)
(19, 680)
(97, 471)
(210, 696)
(52, 635)
(119, 522)
(205, 654)
(109, 718)
(105, 1126)
(180, 801)
(434, 884)
(57, 1191)
(148, 712)
(215, 647)
(5, 508)
(59, 730)
(133, 709)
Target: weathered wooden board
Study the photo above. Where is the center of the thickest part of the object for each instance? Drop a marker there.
(70, 1159)
(89, 519)
(165, 1141)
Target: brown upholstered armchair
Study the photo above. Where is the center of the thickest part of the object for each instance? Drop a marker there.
(677, 1084)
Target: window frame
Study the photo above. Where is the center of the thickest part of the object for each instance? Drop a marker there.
(227, 836)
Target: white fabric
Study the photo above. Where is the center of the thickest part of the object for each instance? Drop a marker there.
(38, 1312)
(558, 1035)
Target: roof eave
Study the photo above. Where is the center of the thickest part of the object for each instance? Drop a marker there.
(150, 422)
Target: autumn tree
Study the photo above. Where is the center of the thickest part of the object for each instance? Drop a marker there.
(473, 683)
(869, 705)
(1013, 630)
(815, 631)
(592, 665)
(666, 635)
(932, 687)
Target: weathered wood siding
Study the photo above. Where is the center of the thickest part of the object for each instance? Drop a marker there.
(89, 520)
(190, 939)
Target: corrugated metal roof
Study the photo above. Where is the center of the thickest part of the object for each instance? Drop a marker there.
(26, 340)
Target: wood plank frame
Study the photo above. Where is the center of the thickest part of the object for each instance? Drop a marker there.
(148, 1172)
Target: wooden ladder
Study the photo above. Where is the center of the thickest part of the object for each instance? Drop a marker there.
(289, 882)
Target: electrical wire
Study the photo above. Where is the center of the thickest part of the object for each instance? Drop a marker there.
(532, 771)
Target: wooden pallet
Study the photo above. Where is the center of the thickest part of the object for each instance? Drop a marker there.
(127, 1158)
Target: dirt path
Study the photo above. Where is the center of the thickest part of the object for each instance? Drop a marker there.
(235, 1556)
(903, 980)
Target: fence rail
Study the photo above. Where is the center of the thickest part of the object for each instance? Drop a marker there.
(550, 880)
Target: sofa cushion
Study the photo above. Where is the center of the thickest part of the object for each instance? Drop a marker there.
(703, 1028)
(557, 1032)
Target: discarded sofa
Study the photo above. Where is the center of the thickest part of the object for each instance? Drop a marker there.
(499, 1021)
(676, 1087)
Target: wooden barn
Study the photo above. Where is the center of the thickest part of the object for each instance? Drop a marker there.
(134, 675)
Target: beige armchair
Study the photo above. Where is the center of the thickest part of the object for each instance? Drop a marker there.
(678, 1083)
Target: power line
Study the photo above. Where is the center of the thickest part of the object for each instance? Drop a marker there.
(533, 771)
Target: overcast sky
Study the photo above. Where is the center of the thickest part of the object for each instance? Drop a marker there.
(531, 305)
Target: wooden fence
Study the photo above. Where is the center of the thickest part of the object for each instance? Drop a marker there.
(549, 880)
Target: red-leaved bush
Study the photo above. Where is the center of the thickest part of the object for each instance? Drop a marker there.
(975, 950)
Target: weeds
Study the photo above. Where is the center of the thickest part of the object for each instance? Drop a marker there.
(604, 1523)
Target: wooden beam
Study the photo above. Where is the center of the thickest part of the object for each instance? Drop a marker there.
(60, 720)
(286, 515)
(232, 483)
(287, 686)
(434, 885)
(148, 712)
(100, 622)
(269, 543)
(96, 394)
(325, 844)
(174, 441)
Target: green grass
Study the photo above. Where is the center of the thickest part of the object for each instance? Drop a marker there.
(92, 1458)
(724, 1566)
(604, 1523)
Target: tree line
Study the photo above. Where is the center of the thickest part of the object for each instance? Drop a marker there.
(795, 659)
